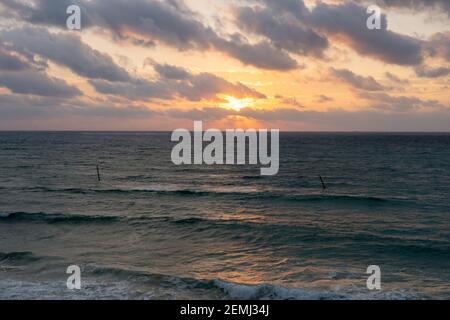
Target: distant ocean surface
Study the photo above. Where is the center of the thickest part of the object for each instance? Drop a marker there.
(153, 230)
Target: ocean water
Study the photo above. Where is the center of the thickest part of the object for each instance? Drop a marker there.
(152, 230)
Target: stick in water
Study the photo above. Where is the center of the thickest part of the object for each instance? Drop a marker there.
(323, 183)
(98, 173)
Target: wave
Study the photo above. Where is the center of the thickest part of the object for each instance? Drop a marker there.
(19, 256)
(272, 292)
(241, 291)
(268, 233)
(278, 292)
(55, 218)
(243, 193)
(252, 177)
(122, 190)
(79, 218)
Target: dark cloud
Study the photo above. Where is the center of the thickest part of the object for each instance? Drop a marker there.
(106, 111)
(176, 82)
(207, 85)
(29, 107)
(37, 83)
(171, 72)
(382, 101)
(262, 55)
(364, 120)
(348, 21)
(356, 81)
(148, 21)
(282, 28)
(14, 106)
(137, 89)
(279, 114)
(417, 5)
(323, 98)
(425, 72)
(338, 119)
(33, 107)
(291, 26)
(40, 11)
(162, 21)
(332, 119)
(208, 113)
(286, 26)
(289, 101)
(395, 79)
(296, 8)
(439, 46)
(65, 49)
(10, 62)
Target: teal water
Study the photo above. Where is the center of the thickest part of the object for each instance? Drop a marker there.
(152, 230)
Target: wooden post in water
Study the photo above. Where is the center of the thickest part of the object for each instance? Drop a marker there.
(98, 173)
(323, 183)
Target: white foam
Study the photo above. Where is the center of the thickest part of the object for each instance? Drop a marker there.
(276, 292)
(4, 215)
(50, 290)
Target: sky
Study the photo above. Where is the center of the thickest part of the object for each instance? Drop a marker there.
(293, 65)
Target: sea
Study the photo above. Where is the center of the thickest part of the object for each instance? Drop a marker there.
(152, 230)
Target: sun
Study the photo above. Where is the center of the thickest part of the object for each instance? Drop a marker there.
(237, 104)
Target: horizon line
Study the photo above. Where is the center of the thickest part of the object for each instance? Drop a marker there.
(169, 131)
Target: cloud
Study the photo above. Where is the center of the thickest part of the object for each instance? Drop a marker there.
(284, 26)
(382, 101)
(418, 5)
(64, 49)
(262, 55)
(164, 22)
(393, 78)
(290, 101)
(14, 106)
(439, 45)
(39, 11)
(176, 82)
(323, 99)
(37, 83)
(332, 119)
(282, 29)
(207, 85)
(137, 89)
(367, 120)
(31, 107)
(171, 72)
(348, 21)
(291, 26)
(432, 72)
(23, 76)
(208, 113)
(150, 21)
(10, 62)
(356, 81)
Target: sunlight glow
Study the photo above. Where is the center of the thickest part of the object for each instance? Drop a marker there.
(238, 104)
